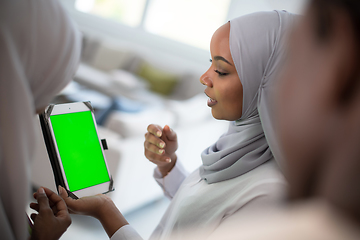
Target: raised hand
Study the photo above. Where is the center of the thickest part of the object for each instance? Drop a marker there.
(160, 146)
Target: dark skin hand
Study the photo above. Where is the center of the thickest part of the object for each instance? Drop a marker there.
(160, 146)
(52, 219)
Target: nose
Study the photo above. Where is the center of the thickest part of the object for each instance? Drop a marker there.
(205, 79)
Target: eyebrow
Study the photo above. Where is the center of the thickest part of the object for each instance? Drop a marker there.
(222, 59)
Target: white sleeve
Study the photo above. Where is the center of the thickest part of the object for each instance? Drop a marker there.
(171, 182)
(126, 232)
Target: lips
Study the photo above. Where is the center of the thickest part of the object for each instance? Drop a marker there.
(211, 102)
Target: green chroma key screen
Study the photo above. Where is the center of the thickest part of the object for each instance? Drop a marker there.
(79, 149)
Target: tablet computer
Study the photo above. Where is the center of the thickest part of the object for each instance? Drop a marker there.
(75, 150)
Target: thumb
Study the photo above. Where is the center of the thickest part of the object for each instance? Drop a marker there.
(68, 200)
(62, 192)
(64, 195)
(42, 199)
(169, 133)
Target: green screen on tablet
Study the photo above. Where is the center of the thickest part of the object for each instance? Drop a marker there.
(80, 150)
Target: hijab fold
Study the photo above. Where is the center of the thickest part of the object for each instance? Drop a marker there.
(257, 43)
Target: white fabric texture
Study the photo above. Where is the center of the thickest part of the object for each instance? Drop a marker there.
(171, 182)
(256, 45)
(126, 232)
(202, 207)
(40, 49)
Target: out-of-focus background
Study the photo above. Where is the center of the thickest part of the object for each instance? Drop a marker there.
(140, 64)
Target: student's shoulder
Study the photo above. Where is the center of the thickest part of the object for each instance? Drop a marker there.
(267, 172)
(264, 181)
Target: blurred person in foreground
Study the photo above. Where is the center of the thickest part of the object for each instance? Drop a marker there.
(319, 122)
(39, 52)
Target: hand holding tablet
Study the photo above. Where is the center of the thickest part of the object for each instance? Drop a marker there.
(75, 150)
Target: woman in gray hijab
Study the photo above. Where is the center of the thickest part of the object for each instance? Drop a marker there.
(239, 173)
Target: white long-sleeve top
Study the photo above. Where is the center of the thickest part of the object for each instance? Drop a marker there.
(199, 205)
(170, 184)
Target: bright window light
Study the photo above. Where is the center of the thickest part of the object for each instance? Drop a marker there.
(187, 21)
(124, 11)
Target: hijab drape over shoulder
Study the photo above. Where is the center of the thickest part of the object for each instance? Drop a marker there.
(257, 43)
(39, 52)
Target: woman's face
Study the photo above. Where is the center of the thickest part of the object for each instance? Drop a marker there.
(223, 86)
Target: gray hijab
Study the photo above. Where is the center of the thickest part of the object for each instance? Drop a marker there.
(257, 43)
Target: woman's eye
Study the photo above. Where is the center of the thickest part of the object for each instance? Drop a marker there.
(221, 73)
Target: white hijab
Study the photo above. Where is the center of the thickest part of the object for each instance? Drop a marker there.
(39, 52)
(257, 43)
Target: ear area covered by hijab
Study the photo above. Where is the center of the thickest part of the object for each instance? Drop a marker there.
(40, 50)
(257, 43)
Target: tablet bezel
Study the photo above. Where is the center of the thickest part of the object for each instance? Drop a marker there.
(74, 108)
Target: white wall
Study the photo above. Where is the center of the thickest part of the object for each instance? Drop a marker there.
(163, 52)
(167, 53)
